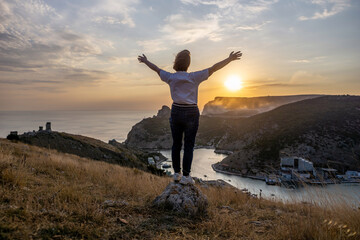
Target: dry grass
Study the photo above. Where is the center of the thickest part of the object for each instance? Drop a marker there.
(49, 195)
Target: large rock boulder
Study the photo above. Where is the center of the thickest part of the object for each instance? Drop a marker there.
(184, 199)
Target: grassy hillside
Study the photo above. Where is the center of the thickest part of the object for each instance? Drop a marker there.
(88, 147)
(45, 194)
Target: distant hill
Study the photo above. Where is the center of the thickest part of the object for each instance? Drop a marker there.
(325, 130)
(246, 107)
(88, 147)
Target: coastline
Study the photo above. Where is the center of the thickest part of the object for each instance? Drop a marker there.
(236, 174)
(319, 183)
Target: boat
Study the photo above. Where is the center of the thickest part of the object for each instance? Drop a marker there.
(272, 180)
(166, 165)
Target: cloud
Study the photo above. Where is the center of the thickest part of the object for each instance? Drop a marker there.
(221, 20)
(121, 60)
(153, 45)
(182, 29)
(218, 3)
(255, 27)
(309, 60)
(274, 85)
(32, 43)
(114, 21)
(305, 77)
(237, 8)
(329, 8)
(114, 12)
(301, 61)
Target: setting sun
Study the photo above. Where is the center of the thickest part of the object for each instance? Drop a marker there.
(233, 83)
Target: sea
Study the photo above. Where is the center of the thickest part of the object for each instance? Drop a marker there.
(108, 125)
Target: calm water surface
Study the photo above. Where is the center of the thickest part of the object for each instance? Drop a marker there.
(103, 125)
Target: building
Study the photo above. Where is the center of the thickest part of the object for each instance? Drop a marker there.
(352, 174)
(48, 126)
(151, 161)
(292, 167)
(327, 173)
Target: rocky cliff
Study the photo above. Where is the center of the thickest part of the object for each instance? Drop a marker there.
(246, 107)
(155, 133)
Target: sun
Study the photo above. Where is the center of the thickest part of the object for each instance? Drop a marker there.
(233, 83)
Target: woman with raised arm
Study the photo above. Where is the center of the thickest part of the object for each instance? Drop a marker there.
(185, 113)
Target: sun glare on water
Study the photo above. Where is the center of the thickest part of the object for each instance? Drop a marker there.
(233, 83)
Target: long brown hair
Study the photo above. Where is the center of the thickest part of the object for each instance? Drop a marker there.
(182, 61)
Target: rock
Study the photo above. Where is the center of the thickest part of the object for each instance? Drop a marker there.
(164, 112)
(185, 199)
(121, 220)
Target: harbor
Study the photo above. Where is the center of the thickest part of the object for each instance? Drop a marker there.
(296, 172)
(203, 168)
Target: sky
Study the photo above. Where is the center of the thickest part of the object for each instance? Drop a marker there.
(82, 54)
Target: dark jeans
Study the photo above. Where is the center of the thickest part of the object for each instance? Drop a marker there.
(183, 121)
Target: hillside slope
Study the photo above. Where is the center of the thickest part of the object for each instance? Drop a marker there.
(325, 130)
(87, 147)
(50, 195)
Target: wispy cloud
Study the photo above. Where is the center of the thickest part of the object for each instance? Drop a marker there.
(218, 23)
(306, 77)
(32, 42)
(114, 21)
(180, 29)
(254, 27)
(114, 12)
(245, 8)
(300, 61)
(153, 45)
(309, 60)
(218, 3)
(329, 8)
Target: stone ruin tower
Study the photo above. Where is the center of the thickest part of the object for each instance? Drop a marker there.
(48, 126)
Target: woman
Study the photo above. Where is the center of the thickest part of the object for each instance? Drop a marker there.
(185, 114)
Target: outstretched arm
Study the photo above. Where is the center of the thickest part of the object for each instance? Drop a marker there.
(233, 56)
(143, 59)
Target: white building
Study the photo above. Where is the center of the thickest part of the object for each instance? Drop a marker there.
(352, 174)
(296, 166)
